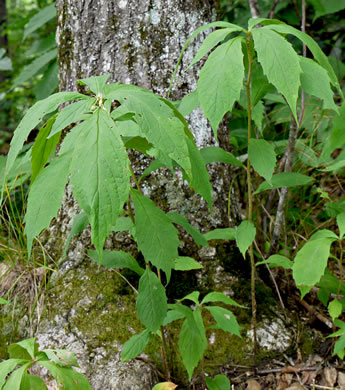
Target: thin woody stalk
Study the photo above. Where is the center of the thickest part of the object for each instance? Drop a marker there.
(250, 197)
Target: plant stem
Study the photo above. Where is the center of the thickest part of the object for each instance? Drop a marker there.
(340, 266)
(250, 199)
(164, 343)
(135, 179)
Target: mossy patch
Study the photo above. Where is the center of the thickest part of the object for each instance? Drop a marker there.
(97, 303)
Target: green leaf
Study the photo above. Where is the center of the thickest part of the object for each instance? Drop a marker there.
(183, 263)
(279, 62)
(39, 20)
(172, 315)
(225, 320)
(277, 261)
(252, 22)
(216, 154)
(193, 296)
(189, 103)
(48, 83)
(325, 7)
(323, 233)
(96, 84)
(310, 263)
(31, 382)
(61, 357)
(338, 66)
(135, 345)
(258, 115)
(67, 378)
(334, 167)
(162, 128)
(122, 224)
(141, 144)
(339, 347)
(8, 366)
(165, 386)
(42, 209)
(192, 341)
(14, 381)
(34, 115)
(220, 382)
(43, 148)
(200, 179)
(336, 139)
(156, 235)
(79, 223)
(100, 174)
(285, 179)
(260, 85)
(194, 232)
(25, 349)
(245, 236)
(3, 302)
(221, 234)
(34, 67)
(182, 309)
(262, 156)
(219, 297)
(318, 54)
(151, 301)
(71, 114)
(41, 45)
(220, 81)
(335, 308)
(195, 34)
(315, 81)
(117, 259)
(5, 62)
(212, 40)
(341, 224)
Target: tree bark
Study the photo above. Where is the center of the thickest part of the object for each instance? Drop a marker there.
(3, 35)
(137, 42)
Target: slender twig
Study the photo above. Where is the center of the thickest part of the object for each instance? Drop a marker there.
(254, 8)
(271, 197)
(315, 313)
(340, 262)
(288, 369)
(279, 221)
(272, 277)
(250, 199)
(271, 13)
(294, 127)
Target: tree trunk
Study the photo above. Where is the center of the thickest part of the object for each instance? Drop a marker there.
(137, 42)
(3, 35)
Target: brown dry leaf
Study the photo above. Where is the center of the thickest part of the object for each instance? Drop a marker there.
(330, 376)
(308, 377)
(296, 386)
(284, 381)
(252, 384)
(287, 378)
(341, 380)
